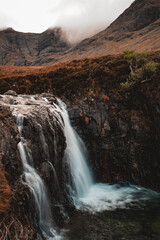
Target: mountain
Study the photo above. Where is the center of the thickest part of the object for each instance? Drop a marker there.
(138, 27)
(22, 49)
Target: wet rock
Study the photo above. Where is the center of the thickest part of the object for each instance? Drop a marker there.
(121, 135)
(10, 92)
(17, 214)
(44, 146)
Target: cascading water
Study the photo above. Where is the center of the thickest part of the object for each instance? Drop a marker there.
(75, 153)
(87, 195)
(44, 125)
(43, 219)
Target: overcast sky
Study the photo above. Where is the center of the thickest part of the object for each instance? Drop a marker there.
(38, 15)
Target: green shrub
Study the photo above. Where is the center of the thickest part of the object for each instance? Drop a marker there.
(150, 67)
(130, 55)
(141, 68)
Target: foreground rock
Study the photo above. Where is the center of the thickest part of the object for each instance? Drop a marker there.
(44, 147)
(14, 195)
(122, 134)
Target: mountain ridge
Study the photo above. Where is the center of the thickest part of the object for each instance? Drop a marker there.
(17, 48)
(138, 27)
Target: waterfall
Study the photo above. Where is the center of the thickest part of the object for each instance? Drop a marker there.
(41, 145)
(90, 196)
(75, 154)
(42, 219)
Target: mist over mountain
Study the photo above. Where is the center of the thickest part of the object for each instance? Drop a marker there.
(76, 35)
(137, 28)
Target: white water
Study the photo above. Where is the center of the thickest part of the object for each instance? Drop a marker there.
(38, 189)
(90, 196)
(75, 154)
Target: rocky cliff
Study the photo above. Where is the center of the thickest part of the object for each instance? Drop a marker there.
(44, 145)
(122, 135)
(23, 49)
(120, 129)
(13, 194)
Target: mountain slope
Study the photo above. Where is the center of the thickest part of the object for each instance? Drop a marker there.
(137, 28)
(18, 48)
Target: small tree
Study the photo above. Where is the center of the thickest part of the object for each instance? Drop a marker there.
(130, 56)
(141, 68)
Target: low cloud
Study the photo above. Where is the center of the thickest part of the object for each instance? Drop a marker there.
(5, 20)
(84, 18)
(82, 13)
(76, 35)
(80, 18)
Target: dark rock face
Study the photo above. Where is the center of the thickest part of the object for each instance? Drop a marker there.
(45, 144)
(122, 136)
(22, 49)
(16, 216)
(8, 149)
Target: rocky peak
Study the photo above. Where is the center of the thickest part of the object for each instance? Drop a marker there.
(138, 27)
(54, 39)
(7, 30)
(139, 15)
(17, 48)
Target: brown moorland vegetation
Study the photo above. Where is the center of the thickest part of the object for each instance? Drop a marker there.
(5, 191)
(71, 78)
